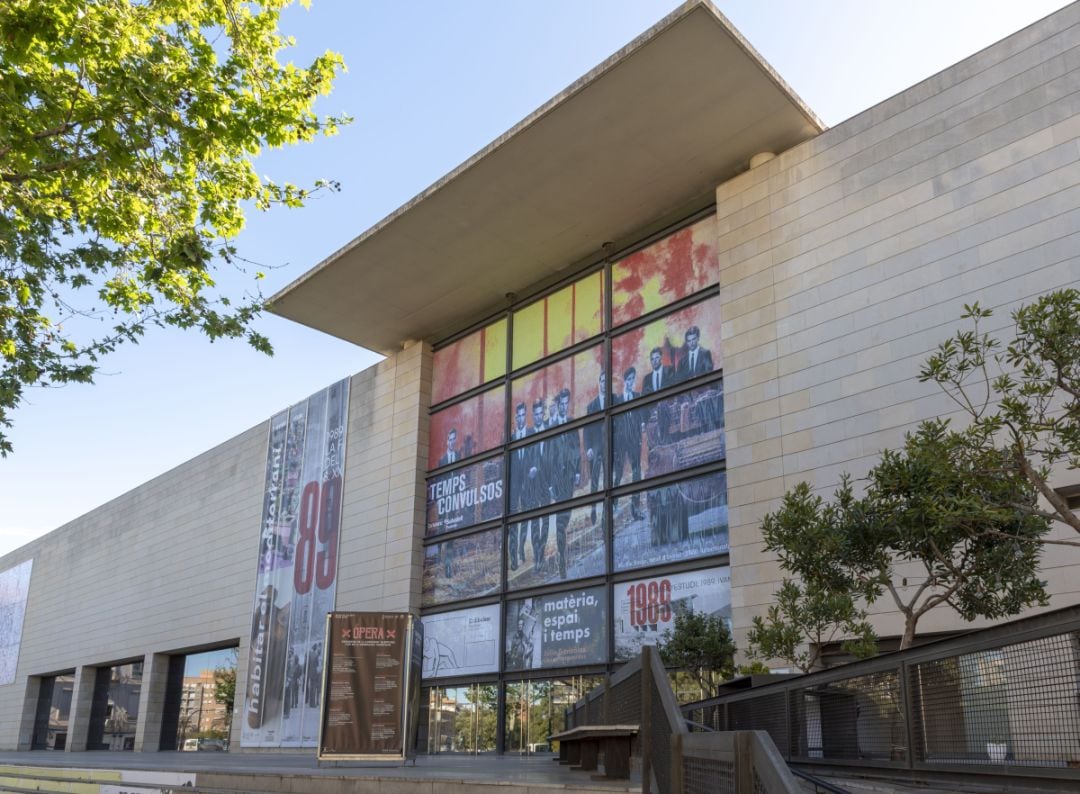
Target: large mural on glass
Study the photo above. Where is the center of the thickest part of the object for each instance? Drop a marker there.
(467, 428)
(556, 548)
(556, 468)
(461, 568)
(297, 570)
(563, 318)
(559, 630)
(671, 350)
(580, 377)
(465, 497)
(685, 520)
(469, 362)
(14, 590)
(465, 642)
(666, 271)
(646, 608)
(668, 435)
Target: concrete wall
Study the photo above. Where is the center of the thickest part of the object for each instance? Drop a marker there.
(846, 260)
(170, 566)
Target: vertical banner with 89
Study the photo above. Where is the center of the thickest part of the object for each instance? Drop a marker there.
(297, 570)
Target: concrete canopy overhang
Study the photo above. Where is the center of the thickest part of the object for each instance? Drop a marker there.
(654, 128)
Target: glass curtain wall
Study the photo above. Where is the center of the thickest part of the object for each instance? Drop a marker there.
(115, 708)
(576, 490)
(202, 690)
(53, 712)
(462, 719)
(536, 710)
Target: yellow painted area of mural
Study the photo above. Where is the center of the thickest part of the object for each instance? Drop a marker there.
(560, 320)
(656, 334)
(71, 781)
(495, 350)
(528, 334)
(651, 294)
(588, 306)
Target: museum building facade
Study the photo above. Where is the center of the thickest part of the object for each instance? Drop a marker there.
(614, 338)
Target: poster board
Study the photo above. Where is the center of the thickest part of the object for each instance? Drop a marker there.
(371, 682)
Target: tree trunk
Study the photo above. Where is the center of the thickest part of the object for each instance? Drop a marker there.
(910, 619)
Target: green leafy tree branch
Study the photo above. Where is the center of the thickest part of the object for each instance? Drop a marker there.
(128, 134)
(938, 505)
(701, 645)
(1023, 398)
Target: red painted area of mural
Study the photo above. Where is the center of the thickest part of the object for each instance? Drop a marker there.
(579, 374)
(478, 424)
(670, 335)
(664, 272)
(469, 362)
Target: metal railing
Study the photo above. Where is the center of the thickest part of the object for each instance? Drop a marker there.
(674, 760)
(1002, 701)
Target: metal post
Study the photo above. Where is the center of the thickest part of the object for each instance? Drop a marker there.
(908, 701)
(677, 763)
(645, 729)
(744, 763)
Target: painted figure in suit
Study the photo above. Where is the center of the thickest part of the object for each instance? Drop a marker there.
(628, 428)
(595, 448)
(659, 376)
(452, 454)
(519, 481)
(564, 472)
(694, 360)
(536, 485)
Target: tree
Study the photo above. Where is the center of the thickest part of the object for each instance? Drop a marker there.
(225, 685)
(806, 618)
(1025, 398)
(701, 645)
(939, 504)
(128, 133)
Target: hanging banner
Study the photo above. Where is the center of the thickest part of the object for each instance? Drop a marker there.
(297, 570)
(371, 685)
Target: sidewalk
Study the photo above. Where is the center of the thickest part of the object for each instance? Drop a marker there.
(537, 770)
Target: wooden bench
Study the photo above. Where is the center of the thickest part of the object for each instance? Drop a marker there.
(580, 748)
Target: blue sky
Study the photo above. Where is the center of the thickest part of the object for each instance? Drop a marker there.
(429, 84)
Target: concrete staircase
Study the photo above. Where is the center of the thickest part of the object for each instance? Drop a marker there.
(59, 780)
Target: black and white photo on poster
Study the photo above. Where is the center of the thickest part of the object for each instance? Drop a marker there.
(297, 570)
(686, 520)
(668, 435)
(558, 630)
(465, 497)
(555, 469)
(646, 608)
(464, 642)
(465, 567)
(557, 547)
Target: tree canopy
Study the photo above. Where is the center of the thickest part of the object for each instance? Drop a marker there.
(969, 508)
(701, 645)
(804, 619)
(1023, 398)
(937, 523)
(128, 133)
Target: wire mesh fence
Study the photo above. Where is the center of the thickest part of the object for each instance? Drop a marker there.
(1004, 700)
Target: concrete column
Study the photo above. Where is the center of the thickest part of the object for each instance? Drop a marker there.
(151, 702)
(29, 712)
(82, 699)
(406, 514)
